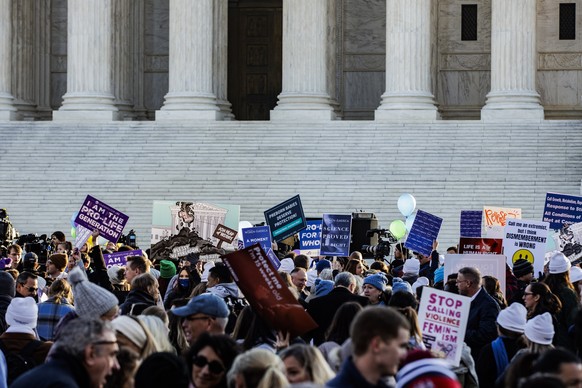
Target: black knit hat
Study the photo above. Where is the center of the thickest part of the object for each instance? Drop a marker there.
(522, 267)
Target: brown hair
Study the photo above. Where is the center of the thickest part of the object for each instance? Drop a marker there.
(371, 322)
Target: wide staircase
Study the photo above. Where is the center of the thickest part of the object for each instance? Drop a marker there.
(48, 168)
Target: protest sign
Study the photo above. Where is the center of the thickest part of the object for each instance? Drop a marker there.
(498, 216)
(562, 208)
(471, 221)
(479, 245)
(266, 292)
(488, 264)
(424, 231)
(286, 218)
(274, 259)
(257, 235)
(526, 239)
(443, 318)
(224, 234)
(119, 258)
(568, 240)
(97, 215)
(335, 235)
(310, 238)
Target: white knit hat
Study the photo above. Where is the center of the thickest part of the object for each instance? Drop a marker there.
(575, 274)
(540, 329)
(22, 312)
(421, 281)
(513, 318)
(129, 327)
(559, 263)
(287, 265)
(411, 265)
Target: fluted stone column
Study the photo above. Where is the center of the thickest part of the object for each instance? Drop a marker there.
(23, 39)
(191, 90)
(123, 23)
(89, 63)
(513, 94)
(305, 94)
(408, 93)
(7, 109)
(221, 58)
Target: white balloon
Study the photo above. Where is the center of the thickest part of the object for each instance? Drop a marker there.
(243, 225)
(406, 204)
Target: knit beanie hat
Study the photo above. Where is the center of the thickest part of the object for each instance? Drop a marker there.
(91, 300)
(425, 371)
(420, 282)
(513, 318)
(399, 285)
(131, 328)
(411, 265)
(7, 284)
(377, 280)
(322, 264)
(575, 274)
(439, 275)
(559, 263)
(522, 267)
(167, 269)
(22, 312)
(59, 260)
(540, 329)
(323, 287)
(287, 265)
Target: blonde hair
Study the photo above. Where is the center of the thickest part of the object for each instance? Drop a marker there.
(259, 368)
(311, 359)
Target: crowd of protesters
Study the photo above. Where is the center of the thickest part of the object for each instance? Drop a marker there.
(72, 322)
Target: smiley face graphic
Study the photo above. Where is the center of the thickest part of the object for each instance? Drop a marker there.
(523, 254)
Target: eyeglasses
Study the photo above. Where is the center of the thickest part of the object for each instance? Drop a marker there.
(461, 281)
(214, 367)
(191, 318)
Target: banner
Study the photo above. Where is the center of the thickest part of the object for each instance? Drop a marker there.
(469, 245)
(335, 235)
(266, 291)
(95, 214)
(561, 208)
(526, 239)
(492, 265)
(286, 218)
(257, 235)
(119, 258)
(310, 238)
(443, 318)
(470, 223)
(424, 231)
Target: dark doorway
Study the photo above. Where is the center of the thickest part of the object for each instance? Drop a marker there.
(255, 49)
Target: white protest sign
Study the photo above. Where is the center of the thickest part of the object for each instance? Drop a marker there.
(525, 239)
(492, 265)
(443, 318)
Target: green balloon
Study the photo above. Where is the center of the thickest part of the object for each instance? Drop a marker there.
(73, 232)
(398, 229)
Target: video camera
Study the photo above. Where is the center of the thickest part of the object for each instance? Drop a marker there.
(7, 232)
(129, 239)
(381, 249)
(41, 245)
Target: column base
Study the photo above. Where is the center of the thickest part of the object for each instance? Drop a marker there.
(406, 115)
(303, 107)
(85, 115)
(407, 106)
(8, 115)
(502, 106)
(302, 115)
(187, 115)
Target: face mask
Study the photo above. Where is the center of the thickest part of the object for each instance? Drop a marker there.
(184, 283)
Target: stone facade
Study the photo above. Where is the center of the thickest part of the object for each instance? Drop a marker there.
(131, 63)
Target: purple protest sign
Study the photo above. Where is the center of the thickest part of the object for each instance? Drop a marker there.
(119, 258)
(95, 214)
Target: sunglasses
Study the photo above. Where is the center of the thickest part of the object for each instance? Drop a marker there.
(214, 367)
(31, 289)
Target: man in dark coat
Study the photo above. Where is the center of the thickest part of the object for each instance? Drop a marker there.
(323, 309)
(7, 292)
(481, 327)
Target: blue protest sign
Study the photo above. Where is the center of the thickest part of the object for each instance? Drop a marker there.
(310, 237)
(562, 208)
(257, 235)
(335, 235)
(424, 231)
(471, 221)
(273, 258)
(286, 218)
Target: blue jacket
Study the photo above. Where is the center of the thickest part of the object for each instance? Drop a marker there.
(350, 376)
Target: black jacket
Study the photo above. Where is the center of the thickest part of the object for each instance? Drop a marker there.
(4, 302)
(481, 328)
(98, 273)
(136, 302)
(61, 371)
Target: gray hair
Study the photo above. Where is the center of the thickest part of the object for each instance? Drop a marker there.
(344, 279)
(80, 333)
(326, 274)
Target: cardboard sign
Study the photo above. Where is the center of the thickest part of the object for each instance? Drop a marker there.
(335, 235)
(286, 218)
(95, 214)
(310, 238)
(471, 221)
(562, 208)
(266, 292)
(224, 234)
(424, 231)
(443, 318)
(498, 216)
(119, 258)
(492, 265)
(526, 239)
(568, 240)
(257, 235)
(480, 245)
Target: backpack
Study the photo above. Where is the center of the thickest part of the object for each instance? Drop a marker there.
(19, 362)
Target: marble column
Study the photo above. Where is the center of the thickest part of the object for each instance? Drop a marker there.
(42, 54)
(23, 50)
(221, 58)
(513, 94)
(7, 109)
(123, 21)
(305, 94)
(89, 63)
(191, 91)
(408, 94)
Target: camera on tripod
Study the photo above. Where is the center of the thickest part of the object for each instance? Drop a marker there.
(7, 232)
(382, 249)
(128, 239)
(40, 245)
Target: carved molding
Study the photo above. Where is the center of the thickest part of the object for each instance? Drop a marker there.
(560, 61)
(465, 62)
